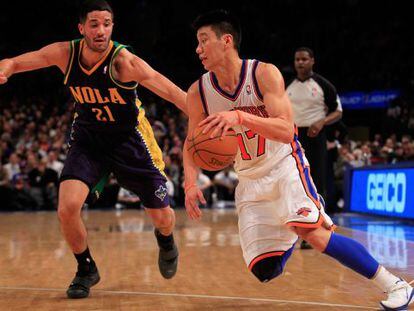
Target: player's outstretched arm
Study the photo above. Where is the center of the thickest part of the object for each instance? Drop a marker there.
(132, 68)
(55, 54)
(193, 194)
(279, 126)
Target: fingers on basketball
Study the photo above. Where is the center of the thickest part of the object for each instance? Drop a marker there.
(212, 153)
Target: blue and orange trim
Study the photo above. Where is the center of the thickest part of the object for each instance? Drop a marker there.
(235, 95)
(304, 171)
(255, 84)
(285, 254)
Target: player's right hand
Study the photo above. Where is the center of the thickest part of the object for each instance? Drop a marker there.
(193, 196)
(3, 78)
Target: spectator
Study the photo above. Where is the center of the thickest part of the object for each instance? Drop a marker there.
(43, 183)
(13, 167)
(53, 162)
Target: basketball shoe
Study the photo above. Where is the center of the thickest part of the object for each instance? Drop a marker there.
(168, 256)
(400, 295)
(83, 281)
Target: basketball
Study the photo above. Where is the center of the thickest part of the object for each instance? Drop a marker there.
(212, 154)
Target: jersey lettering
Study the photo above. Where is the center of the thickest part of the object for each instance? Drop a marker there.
(86, 94)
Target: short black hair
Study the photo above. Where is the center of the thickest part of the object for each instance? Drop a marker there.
(306, 49)
(222, 22)
(93, 5)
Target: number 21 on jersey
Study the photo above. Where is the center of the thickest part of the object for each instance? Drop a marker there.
(261, 145)
(103, 114)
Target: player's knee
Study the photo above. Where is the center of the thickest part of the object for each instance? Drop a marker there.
(69, 208)
(162, 218)
(317, 237)
(268, 268)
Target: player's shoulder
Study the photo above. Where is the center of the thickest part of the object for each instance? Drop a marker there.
(265, 69)
(194, 88)
(122, 53)
(268, 73)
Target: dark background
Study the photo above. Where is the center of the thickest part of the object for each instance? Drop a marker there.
(359, 45)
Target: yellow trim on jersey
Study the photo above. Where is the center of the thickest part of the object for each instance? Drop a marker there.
(69, 67)
(91, 71)
(118, 83)
(144, 129)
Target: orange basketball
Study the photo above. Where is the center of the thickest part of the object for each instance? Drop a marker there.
(212, 154)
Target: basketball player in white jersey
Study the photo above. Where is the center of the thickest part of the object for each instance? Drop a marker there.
(276, 199)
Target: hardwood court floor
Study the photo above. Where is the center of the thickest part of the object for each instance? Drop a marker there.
(36, 266)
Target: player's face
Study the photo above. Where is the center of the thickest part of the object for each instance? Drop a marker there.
(303, 62)
(97, 30)
(210, 48)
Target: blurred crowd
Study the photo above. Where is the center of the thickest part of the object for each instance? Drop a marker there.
(34, 136)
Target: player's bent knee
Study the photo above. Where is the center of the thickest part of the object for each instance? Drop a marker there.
(268, 268)
(69, 209)
(161, 218)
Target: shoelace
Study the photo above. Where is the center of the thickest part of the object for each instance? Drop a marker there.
(398, 285)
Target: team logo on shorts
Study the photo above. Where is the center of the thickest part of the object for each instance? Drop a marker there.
(304, 211)
(161, 192)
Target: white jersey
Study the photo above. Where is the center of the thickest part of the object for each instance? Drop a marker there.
(256, 155)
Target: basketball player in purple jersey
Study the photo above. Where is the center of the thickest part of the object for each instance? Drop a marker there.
(109, 133)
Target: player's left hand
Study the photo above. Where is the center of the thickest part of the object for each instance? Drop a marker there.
(315, 128)
(192, 197)
(220, 122)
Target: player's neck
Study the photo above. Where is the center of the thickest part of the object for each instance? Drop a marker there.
(90, 58)
(228, 75)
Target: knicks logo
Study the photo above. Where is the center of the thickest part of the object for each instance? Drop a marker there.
(86, 94)
(304, 211)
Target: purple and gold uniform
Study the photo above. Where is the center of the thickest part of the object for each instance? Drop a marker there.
(110, 131)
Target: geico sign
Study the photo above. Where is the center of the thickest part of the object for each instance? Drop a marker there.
(386, 192)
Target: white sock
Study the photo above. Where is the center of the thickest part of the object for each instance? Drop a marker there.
(385, 279)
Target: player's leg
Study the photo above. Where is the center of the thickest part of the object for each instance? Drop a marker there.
(138, 166)
(72, 194)
(269, 265)
(264, 239)
(311, 223)
(353, 255)
(80, 173)
(163, 220)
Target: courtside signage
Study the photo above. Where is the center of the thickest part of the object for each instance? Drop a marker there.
(383, 192)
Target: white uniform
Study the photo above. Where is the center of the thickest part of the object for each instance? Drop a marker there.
(275, 189)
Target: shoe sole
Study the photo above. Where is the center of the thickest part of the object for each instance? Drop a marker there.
(170, 271)
(83, 294)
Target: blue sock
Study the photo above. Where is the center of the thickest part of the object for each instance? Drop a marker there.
(352, 254)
